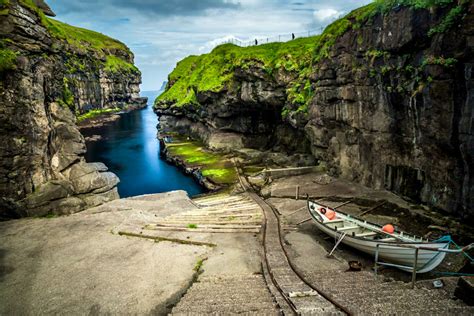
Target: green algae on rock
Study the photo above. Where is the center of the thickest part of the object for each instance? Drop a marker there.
(202, 163)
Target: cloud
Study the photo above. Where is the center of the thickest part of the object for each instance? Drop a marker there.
(326, 14)
(147, 7)
(162, 32)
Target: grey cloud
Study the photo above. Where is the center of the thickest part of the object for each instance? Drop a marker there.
(146, 7)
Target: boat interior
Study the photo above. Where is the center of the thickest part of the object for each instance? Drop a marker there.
(362, 229)
(354, 230)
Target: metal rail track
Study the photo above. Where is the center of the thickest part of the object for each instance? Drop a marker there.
(300, 295)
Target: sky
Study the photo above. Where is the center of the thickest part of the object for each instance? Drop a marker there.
(162, 32)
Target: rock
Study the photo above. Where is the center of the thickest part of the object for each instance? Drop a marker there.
(323, 179)
(95, 181)
(258, 180)
(42, 165)
(225, 141)
(50, 191)
(390, 107)
(95, 199)
(64, 206)
(44, 7)
(465, 290)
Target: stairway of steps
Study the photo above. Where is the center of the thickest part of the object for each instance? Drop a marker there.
(221, 213)
(363, 294)
(227, 295)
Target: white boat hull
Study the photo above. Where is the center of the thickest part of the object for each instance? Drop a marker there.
(388, 251)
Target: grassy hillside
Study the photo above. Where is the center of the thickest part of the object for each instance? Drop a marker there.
(83, 40)
(215, 71)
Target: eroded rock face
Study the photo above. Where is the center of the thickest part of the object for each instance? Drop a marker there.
(383, 117)
(42, 168)
(392, 107)
(246, 115)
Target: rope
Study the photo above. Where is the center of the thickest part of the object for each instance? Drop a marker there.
(447, 238)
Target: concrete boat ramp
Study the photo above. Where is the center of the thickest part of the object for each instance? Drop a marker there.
(218, 254)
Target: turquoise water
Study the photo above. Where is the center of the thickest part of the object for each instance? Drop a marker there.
(130, 149)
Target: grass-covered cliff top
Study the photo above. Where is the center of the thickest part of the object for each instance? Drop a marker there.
(87, 40)
(117, 55)
(213, 71)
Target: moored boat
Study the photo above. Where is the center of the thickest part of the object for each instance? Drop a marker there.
(394, 247)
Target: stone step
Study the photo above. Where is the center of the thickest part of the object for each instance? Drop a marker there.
(191, 311)
(243, 229)
(226, 218)
(176, 223)
(230, 200)
(227, 295)
(211, 197)
(225, 215)
(222, 207)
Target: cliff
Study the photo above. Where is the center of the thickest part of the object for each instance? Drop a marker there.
(383, 97)
(51, 72)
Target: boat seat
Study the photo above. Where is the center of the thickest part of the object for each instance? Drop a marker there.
(347, 228)
(367, 234)
(337, 220)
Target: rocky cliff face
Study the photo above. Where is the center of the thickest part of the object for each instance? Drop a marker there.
(46, 79)
(383, 97)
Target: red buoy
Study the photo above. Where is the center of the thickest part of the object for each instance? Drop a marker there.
(388, 228)
(330, 214)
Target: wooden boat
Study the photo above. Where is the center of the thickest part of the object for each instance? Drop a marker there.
(397, 248)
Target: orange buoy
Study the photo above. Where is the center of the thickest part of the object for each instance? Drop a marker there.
(388, 228)
(330, 214)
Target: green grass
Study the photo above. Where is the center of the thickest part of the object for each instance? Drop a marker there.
(214, 71)
(7, 59)
(193, 153)
(83, 38)
(192, 226)
(4, 7)
(116, 64)
(214, 166)
(198, 265)
(85, 41)
(94, 113)
(221, 175)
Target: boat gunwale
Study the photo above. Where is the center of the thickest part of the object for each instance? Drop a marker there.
(366, 239)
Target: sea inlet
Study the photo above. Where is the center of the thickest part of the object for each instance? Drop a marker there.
(131, 150)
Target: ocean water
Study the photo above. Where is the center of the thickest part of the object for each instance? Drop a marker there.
(130, 149)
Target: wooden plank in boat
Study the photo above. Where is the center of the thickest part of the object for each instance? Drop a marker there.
(348, 228)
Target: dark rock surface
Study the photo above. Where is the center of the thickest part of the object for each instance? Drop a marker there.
(42, 168)
(392, 108)
(407, 126)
